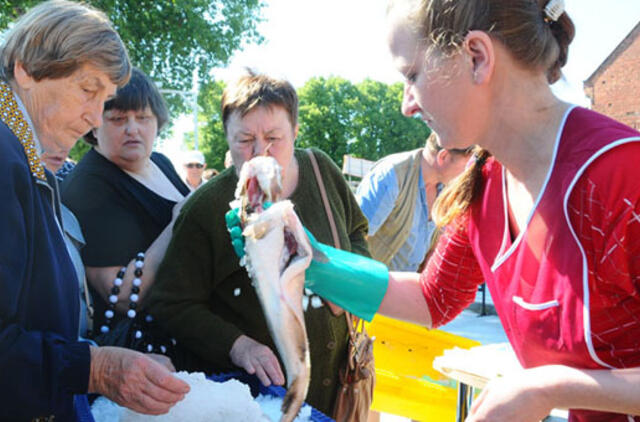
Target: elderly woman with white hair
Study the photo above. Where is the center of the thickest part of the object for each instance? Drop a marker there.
(59, 63)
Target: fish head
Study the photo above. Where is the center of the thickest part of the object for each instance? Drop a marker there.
(260, 181)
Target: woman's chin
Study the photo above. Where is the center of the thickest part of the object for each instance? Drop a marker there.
(135, 156)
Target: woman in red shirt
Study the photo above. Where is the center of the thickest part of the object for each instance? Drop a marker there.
(551, 222)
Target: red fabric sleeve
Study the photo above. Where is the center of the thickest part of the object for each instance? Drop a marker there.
(452, 275)
(604, 209)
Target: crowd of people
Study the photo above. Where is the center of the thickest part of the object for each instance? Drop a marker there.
(119, 270)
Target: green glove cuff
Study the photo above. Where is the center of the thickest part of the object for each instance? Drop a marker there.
(232, 219)
(353, 282)
(235, 232)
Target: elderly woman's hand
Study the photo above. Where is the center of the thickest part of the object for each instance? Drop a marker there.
(135, 381)
(258, 359)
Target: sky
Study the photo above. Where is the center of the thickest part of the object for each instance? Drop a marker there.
(306, 38)
(346, 38)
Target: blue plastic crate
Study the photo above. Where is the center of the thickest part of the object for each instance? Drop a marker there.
(83, 409)
(257, 388)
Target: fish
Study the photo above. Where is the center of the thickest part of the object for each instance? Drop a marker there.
(277, 251)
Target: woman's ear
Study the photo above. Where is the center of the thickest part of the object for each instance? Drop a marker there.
(442, 157)
(22, 78)
(479, 48)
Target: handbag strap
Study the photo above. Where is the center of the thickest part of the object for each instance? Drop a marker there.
(325, 200)
(351, 320)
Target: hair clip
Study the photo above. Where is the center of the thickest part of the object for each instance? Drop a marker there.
(553, 10)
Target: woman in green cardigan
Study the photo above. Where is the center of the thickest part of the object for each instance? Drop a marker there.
(204, 298)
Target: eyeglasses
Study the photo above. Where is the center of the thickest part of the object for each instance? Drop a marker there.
(192, 165)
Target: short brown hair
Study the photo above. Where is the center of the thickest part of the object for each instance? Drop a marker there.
(57, 37)
(252, 90)
(520, 25)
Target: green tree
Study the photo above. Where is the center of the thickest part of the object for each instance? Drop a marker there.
(327, 107)
(211, 134)
(379, 126)
(78, 150)
(363, 120)
(169, 39)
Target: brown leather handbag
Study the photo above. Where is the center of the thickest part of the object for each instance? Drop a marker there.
(357, 379)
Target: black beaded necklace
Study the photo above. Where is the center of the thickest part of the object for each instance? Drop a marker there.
(133, 297)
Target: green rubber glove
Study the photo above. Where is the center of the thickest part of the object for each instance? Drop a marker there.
(351, 281)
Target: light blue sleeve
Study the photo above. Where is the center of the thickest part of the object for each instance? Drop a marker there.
(377, 194)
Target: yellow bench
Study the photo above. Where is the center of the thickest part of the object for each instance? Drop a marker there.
(406, 383)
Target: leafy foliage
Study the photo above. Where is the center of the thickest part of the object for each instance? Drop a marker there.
(212, 140)
(327, 109)
(379, 126)
(78, 150)
(169, 39)
(363, 120)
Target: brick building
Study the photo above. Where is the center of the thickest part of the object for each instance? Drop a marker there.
(614, 87)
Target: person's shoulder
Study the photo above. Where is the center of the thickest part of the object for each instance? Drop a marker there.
(15, 173)
(166, 166)
(93, 184)
(162, 160)
(616, 162)
(215, 193)
(399, 157)
(385, 167)
(317, 152)
(325, 162)
(11, 149)
(586, 126)
(87, 174)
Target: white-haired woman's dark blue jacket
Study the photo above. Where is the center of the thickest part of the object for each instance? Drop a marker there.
(41, 363)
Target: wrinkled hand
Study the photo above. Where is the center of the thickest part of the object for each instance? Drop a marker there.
(162, 360)
(518, 397)
(133, 380)
(258, 359)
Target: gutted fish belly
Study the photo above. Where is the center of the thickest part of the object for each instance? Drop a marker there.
(278, 277)
(277, 252)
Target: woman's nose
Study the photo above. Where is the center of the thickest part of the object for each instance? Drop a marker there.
(93, 114)
(409, 105)
(131, 126)
(261, 147)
